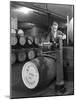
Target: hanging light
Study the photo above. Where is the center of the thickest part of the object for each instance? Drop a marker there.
(24, 10)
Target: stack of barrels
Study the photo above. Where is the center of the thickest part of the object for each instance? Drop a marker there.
(23, 55)
(19, 39)
(23, 46)
(26, 55)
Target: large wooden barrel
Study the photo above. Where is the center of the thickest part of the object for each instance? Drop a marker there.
(22, 40)
(31, 54)
(13, 58)
(21, 56)
(38, 73)
(32, 77)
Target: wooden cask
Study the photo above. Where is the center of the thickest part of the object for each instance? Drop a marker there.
(21, 56)
(33, 75)
(31, 54)
(38, 73)
(13, 40)
(22, 40)
(36, 40)
(20, 32)
(30, 40)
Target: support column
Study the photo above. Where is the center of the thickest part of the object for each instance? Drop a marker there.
(67, 30)
(59, 68)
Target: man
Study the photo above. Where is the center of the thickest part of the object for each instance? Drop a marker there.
(54, 34)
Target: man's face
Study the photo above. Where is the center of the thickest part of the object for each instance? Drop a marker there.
(54, 28)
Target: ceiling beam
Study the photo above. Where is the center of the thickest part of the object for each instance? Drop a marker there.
(30, 5)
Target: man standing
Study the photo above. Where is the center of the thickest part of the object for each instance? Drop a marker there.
(56, 36)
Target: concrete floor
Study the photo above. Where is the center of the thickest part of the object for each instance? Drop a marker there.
(49, 91)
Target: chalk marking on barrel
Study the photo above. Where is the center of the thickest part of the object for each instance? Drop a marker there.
(30, 78)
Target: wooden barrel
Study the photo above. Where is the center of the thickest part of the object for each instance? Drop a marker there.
(36, 41)
(38, 73)
(20, 32)
(22, 40)
(30, 40)
(13, 58)
(21, 56)
(13, 32)
(13, 40)
(31, 54)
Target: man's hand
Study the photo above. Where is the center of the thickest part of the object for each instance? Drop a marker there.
(62, 36)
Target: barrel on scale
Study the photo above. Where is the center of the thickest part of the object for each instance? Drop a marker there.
(35, 74)
(38, 72)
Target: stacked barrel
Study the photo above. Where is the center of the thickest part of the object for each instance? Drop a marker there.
(36, 41)
(23, 47)
(30, 40)
(22, 39)
(31, 54)
(21, 56)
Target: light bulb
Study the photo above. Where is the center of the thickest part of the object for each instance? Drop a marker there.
(24, 10)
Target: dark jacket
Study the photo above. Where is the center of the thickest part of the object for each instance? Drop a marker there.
(51, 38)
